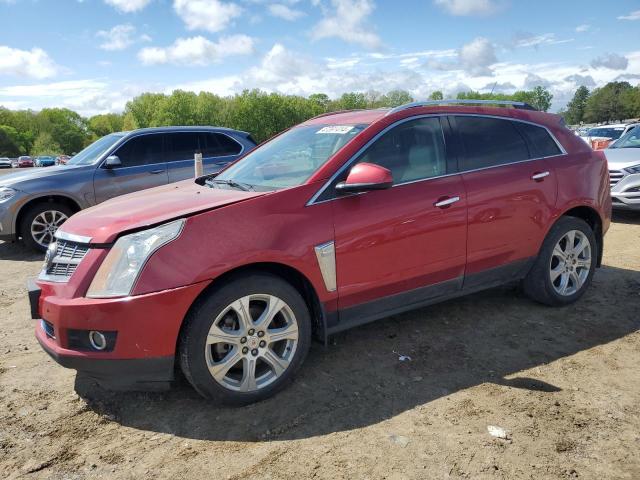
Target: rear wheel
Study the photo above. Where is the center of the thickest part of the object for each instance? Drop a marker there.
(566, 263)
(41, 222)
(246, 340)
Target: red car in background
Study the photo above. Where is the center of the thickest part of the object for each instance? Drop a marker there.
(342, 220)
(62, 159)
(25, 161)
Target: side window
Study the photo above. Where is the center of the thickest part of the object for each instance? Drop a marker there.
(544, 145)
(220, 145)
(490, 141)
(181, 146)
(413, 150)
(142, 150)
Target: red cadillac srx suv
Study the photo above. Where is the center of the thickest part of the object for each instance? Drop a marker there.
(347, 218)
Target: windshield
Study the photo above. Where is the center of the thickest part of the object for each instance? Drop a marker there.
(606, 132)
(631, 139)
(91, 154)
(288, 160)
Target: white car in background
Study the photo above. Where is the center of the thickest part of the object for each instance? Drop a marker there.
(5, 162)
(604, 133)
(623, 157)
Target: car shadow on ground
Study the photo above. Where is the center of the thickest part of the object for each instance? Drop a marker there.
(627, 218)
(359, 379)
(17, 252)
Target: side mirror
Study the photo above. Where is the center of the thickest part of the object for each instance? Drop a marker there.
(113, 161)
(364, 177)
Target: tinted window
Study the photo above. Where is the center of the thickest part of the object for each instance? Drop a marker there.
(490, 141)
(143, 150)
(182, 146)
(220, 145)
(412, 151)
(542, 142)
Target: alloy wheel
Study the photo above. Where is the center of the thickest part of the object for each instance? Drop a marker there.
(570, 264)
(45, 225)
(251, 343)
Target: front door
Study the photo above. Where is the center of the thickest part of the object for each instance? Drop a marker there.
(402, 246)
(142, 167)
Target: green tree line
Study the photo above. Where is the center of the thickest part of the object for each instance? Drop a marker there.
(615, 101)
(60, 130)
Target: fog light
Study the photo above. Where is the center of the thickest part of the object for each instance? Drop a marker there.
(97, 340)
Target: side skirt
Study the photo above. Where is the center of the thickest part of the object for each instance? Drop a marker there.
(424, 296)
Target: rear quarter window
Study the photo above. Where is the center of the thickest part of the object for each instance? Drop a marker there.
(540, 140)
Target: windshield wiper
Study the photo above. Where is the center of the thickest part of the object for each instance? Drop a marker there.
(232, 183)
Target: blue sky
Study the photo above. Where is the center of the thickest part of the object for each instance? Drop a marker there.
(94, 55)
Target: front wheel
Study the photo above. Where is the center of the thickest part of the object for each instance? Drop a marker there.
(565, 265)
(246, 340)
(40, 223)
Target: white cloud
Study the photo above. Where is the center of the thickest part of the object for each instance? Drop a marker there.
(525, 39)
(285, 12)
(635, 15)
(611, 61)
(209, 15)
(477, 56)
(128, 6)
(468, 7)
(583, 28)
(120, 37)
(581, 80)
(34, 63)
(279, 64)
(197, 51)
(347, 22)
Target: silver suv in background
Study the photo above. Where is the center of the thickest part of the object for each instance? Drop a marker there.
(623, 157)
(34, 203)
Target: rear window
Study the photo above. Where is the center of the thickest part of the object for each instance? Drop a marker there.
(539, 138)
(490, 142)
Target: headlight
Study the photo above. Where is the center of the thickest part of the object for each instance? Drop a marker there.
(6, 193)
(120, 269)
(634, 169)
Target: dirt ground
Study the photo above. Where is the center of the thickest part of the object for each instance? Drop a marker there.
(564, 383)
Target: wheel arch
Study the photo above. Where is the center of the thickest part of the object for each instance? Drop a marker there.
(68, 201)
(290, 274)
(593, 219)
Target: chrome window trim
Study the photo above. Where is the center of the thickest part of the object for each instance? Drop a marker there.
(72, 237)
(348, 163)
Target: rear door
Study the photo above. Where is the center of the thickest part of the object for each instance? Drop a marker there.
(511, 193)
(180, 149)
(406, 244)
(142, 167)
(219, 150)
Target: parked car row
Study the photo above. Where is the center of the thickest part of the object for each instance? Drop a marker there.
(341, 220)
(26, 161)
(602, 136)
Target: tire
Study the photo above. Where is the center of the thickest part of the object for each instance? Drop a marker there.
(539, 285)
(59, 214)
(231, 360)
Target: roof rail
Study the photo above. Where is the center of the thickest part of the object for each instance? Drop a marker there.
(431, 103)
(326, 114)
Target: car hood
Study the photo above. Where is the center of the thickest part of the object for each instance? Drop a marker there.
(104, 222)
(20, 180)
(619, 158)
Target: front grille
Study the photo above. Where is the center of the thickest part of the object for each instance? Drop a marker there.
(66, 259)
(615, 176)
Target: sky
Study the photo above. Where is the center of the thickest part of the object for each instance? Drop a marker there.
(95, 55)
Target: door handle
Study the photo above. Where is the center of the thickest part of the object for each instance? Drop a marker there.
(538, 177)
(155, 172)
(446, 201)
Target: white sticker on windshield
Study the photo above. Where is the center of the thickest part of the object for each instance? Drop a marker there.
(339, 129)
